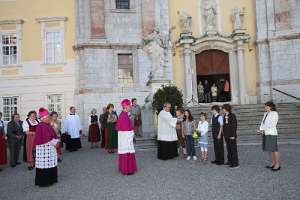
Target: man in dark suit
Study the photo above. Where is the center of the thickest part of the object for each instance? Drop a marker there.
(14, 139)
(229, 130)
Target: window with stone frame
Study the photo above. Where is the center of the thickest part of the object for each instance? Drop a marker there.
(55, 103)
(53, 47)
(9, 49)
(125, 68)
(123, 4)
(9, 107)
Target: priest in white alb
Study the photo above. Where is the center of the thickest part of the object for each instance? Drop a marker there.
(72, 127)
(166, 134)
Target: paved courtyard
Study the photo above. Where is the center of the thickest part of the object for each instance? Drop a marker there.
(92, 175)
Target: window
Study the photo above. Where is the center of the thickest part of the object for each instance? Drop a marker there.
(125, 68)
(54, 103)
(10, 106)
(9, 49)
(122, 4)
(53, 47)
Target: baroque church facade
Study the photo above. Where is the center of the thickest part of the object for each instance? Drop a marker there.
(89, 53)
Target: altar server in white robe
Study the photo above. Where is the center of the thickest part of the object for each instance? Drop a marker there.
(166, 135)
(72, 127)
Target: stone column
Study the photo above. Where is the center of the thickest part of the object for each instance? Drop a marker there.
(241, 68)
(234, 80)
(187, 69)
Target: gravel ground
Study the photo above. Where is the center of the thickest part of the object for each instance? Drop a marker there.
(92, 174)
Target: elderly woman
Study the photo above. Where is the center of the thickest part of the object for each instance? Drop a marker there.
(56, 125)
(46, 155)
(112, 133)
(94, 130)
(127, 162)
(269, 134)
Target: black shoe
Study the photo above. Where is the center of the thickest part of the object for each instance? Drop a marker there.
(220, 163)
(59, 160)
(269, 167)
(30, 168)
(18, 163)
(273, 169)
(227, 163)
(13, 166)
(214, 162)
(234, 166)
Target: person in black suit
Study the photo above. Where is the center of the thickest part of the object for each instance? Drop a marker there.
(229, 130)
(14, 139)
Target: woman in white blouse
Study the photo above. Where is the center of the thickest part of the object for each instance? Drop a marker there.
(269, 134)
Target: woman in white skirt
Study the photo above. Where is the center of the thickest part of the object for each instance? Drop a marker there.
(269, 134)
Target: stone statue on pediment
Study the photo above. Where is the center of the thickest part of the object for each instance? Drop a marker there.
(209, 10)
(238, 18)
(185, 21)
(156, 47)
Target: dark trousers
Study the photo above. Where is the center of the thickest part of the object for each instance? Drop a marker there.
(14, 146)
(232, 154)
(218, 148)
(190, 146)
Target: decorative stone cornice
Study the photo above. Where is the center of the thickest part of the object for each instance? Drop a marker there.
(51, 19)
(12, 21)
(105, 46)
(294, 36)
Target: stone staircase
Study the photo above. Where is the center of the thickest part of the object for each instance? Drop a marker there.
(249, 118)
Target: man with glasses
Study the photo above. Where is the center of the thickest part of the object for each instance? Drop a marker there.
(166, 135)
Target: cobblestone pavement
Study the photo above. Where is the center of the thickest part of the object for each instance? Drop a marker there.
(92, 174)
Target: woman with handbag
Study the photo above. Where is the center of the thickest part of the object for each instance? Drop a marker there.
(269, 134)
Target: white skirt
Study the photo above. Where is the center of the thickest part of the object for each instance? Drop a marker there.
(46, 156)
(125, 142)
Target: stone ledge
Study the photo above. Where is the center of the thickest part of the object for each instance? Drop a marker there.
(105, 46)
(13, 21)
(295, 36)
(51, 19)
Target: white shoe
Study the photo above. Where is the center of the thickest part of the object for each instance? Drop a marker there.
(188, 158)
(194, 157)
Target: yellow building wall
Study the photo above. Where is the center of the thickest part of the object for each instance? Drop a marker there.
(192, 7)
(29, 11)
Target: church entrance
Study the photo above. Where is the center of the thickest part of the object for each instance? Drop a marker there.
(213, 77)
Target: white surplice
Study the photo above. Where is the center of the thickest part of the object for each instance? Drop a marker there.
(72, 126)
(166, 127)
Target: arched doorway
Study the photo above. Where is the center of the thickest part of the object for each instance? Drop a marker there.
(213, 73)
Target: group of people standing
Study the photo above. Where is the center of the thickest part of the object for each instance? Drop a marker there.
(43, 137)
(40, 135)
(176, 135)
(117, 133)
(104, 128)
(214, 92)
